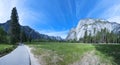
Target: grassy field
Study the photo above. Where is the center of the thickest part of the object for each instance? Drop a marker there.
(68, 53)
(111, 52)
(5, 48)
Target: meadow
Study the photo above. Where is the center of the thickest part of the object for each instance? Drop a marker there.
(55, 53)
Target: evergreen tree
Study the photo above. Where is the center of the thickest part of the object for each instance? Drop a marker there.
(103, 36)
(94, 38)
(23, 36)
(90, 38)
(112, 37)
(14, 27)
(85, 37)
(30, 37)
(3, 36)
(107, 37)
(118, 37)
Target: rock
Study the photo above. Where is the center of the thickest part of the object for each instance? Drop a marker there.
(92, 26)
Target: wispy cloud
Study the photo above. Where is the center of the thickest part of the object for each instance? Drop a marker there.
(113, 10)
(113, 13)
(5, 9)
(114, 19)
(62, 34)
(107, 9)
(101, 4)
(29, 17)
(24, 12)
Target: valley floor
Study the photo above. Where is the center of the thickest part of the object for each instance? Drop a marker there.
(54, 53)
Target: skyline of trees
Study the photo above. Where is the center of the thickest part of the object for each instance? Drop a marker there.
(103, 36)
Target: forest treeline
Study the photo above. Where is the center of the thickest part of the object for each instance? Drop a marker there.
(103, 36)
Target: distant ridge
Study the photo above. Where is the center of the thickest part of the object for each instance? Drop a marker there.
(31, 32)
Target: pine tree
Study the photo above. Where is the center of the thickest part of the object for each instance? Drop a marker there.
(85, 37)
(23, 36)
(14, 27)
(3, 36)
(119, 37)
(90, 38)
(94, 38)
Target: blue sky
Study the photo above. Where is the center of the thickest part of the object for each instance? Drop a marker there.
(57, 17)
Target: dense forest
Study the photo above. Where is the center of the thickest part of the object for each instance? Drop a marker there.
(103, 36)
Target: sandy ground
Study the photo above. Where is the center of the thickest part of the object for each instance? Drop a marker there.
(34, 61)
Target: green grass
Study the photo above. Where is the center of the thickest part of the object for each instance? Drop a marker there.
(66, 53)
(109, 51)
(5, 48)
(54, 53)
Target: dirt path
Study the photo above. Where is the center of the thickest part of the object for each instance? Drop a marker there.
(88, 59)
(34, 61)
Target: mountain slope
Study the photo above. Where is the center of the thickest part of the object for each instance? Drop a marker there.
(30, 32)
(92, 26)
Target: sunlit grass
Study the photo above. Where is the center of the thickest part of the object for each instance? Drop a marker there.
(55, 53)
(5, 48)
(67, 53)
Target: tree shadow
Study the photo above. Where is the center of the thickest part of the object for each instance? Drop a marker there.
(110, 50)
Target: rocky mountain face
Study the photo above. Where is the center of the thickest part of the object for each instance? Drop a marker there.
(92, 26)
(30, 32)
